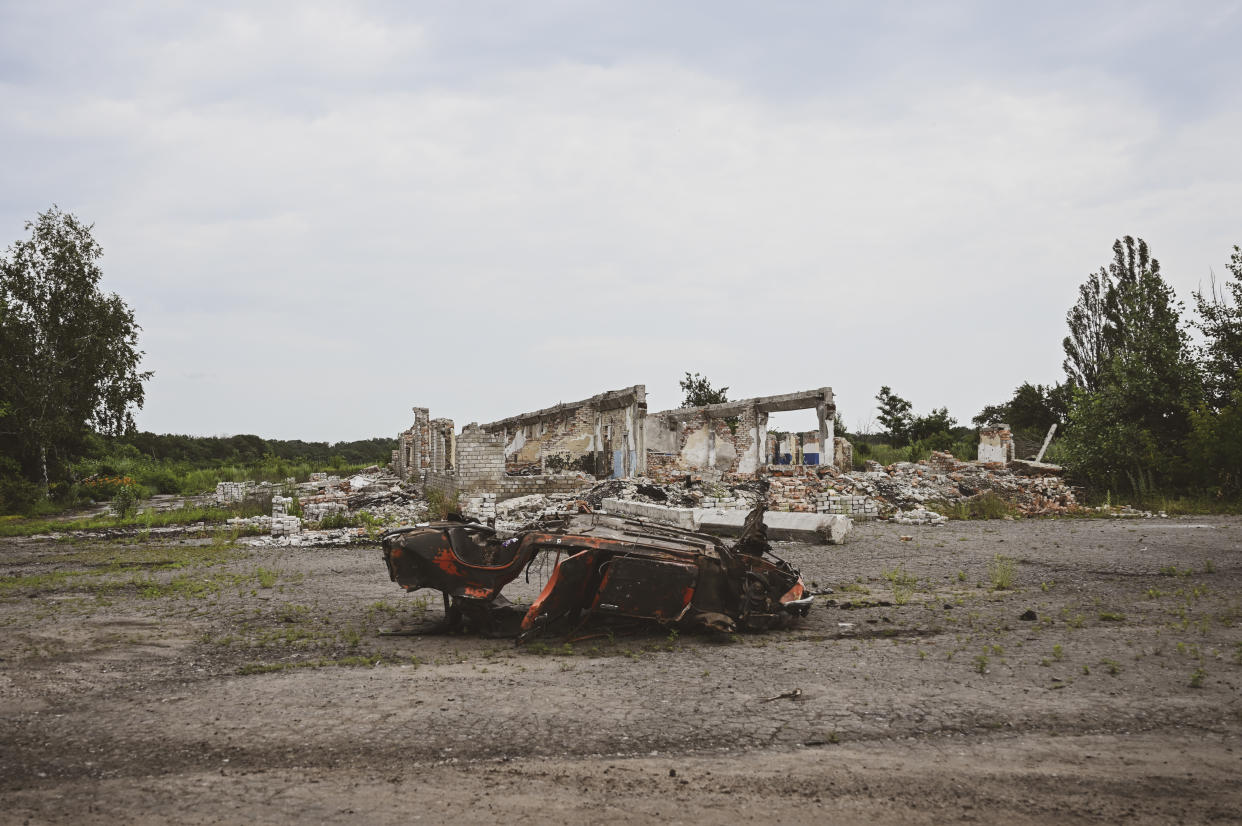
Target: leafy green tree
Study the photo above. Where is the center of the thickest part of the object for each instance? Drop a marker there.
(699, 391)
(1214, 446)
(1132, 413)
(68, 352)
(934, 424)
(894, 416)
(1086, 347)
(1033, 408)
(1220, 321)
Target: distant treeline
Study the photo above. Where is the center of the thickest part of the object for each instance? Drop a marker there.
(245, 449)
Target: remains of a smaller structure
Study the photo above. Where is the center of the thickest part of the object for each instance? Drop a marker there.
(996, 444)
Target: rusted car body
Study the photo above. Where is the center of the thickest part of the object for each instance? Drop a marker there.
(605, 566)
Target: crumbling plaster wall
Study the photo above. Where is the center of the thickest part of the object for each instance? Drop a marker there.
(730, 437)
(996, 444)
(602, 435)
(581, 436)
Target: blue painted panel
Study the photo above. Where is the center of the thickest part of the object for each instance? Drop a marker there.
(810, 458)
(618, 464)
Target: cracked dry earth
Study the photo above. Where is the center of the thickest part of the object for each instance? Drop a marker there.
(207, 683)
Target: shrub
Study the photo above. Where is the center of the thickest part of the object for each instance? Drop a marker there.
(125, 500)
(1000, 571)
(439, 506)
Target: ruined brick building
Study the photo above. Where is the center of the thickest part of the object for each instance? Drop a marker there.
(611, 435)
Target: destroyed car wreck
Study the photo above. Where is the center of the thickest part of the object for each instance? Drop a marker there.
(605, 567)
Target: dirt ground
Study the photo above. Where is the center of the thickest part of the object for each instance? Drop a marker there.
(200, 682)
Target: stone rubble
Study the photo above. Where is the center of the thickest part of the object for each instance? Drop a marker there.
(919, 516)
(907, 493)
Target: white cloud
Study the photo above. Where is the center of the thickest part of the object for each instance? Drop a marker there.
(292, 210)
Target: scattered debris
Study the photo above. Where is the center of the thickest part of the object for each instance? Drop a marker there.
(919, 516)
(792, 694)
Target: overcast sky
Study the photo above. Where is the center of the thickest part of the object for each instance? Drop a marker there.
(325, 213)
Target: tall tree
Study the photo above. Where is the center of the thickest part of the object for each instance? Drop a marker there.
(68, 352)
(1086, 348)
(894, 416)
(1220, 320)
(1133, 411)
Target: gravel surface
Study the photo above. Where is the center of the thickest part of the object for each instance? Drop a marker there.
(150, 681)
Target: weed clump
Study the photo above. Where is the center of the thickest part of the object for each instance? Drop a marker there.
(1001, 571)
(902, 583)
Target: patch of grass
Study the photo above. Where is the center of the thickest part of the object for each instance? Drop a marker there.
(145, 521)
(1112, 616)
(1001, 572)
(355, 661)
(267, 578)
(902, 583)
(1058, 653)
(981, 664)
(1173, 570)
(986, 505)
(1197, 677)
(1113, 667)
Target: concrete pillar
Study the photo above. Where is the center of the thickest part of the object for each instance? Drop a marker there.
(640, 440)
(761, 437)
(825, 434)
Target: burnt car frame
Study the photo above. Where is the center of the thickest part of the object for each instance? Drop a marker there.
(605, 567)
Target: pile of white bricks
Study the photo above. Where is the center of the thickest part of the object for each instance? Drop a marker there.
(858, 507)
(286, 525)
(228, 493)
(282, 523)
(481, 507)
(316, 511)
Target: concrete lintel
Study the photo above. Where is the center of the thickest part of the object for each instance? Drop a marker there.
(806, 399)
(608, 400)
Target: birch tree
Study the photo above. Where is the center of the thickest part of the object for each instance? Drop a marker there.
(69, 352)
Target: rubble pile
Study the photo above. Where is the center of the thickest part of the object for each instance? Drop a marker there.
(908, 493)
(907, 486)
(382, 495)
(919, 516)
(512, 516)
(229, 493)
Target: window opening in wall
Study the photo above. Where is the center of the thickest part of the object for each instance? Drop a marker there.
(793, 438)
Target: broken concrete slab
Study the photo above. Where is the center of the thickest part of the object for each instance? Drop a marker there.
(796, 527)
(686, 518)
(800, 527)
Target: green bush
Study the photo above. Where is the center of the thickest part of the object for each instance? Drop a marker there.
(125, 500)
